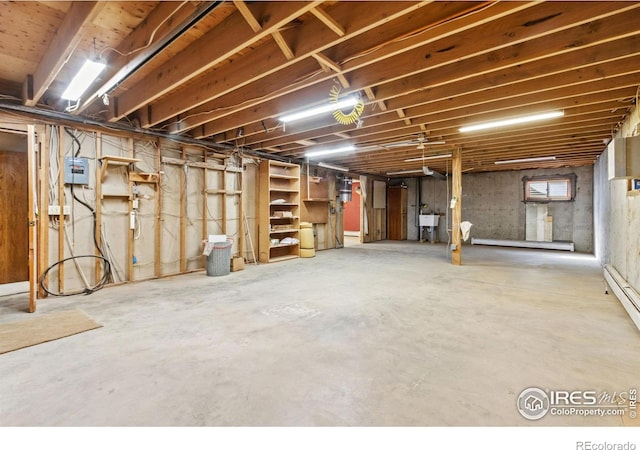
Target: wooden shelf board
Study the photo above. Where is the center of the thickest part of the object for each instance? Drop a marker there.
(284, 177)
(284, 245)
(119, 159)
(222, 191)
(315, 200)
(283, 190)
(285, 230)
(143, 177)
(283, 204)
(107, 195)
(280, 218)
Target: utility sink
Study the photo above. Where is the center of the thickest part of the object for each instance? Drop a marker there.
(428, 220)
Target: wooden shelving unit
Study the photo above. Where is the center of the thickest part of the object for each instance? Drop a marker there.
(279, 211)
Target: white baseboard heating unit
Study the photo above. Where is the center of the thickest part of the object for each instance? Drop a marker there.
(556, 245)
(625, 293)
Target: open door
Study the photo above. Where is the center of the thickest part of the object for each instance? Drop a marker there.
(14, 231)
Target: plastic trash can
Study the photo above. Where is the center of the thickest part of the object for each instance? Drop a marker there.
(219, 260)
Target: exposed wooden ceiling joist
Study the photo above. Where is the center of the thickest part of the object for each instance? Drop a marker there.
(421, 67)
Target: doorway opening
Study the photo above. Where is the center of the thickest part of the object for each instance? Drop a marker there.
(353, 216)
(14, 201)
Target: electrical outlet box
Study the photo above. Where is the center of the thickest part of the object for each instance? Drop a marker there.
(54, 210)
(76, 170)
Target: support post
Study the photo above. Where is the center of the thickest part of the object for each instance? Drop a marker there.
(183, 217)
(456, 193)
(32, 221)
(157, 186)
(131, 232)
(61, 223)
(43, 217)
(98, 208)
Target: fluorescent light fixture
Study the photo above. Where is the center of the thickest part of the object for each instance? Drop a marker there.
(331, 166)
(424, 158)
(539, 158)
(329, 107)
(83, 79)
(402, 172)
(330, 151)
(512, 121)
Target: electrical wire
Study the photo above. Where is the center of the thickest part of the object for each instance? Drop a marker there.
(107, 273)
(89, 290)
(149, 41)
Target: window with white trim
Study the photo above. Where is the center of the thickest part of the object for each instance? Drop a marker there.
(549, 189)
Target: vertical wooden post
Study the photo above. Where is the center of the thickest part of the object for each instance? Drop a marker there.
(43, 217)
(241, 230)
(224, 201)
(61, 205)
(98, 206)
(456, 193)
(130, 249)
(157, 250)
(32, 195)
(183, 214)
(205, 198)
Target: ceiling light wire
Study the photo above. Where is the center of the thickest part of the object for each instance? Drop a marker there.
(149, 41)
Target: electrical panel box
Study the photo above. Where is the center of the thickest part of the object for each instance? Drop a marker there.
(76, 170)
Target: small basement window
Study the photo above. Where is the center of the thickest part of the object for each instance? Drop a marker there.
(549, 189)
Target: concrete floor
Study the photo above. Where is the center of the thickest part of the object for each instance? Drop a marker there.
(380, 334)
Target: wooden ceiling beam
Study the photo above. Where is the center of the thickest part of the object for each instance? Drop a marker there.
(218, 44)
(248, 15)
(328, 21)
(263, 75)
(155, 27)
(565, 45)
(60, 49)
(392, 133)
(469, 68)
(524, 91)
(324, 60)
(528, 92)
(279, 86)
(372, 98)
(284, 47)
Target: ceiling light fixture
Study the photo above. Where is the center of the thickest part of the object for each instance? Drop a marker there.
(512, 121)
(424, 158)
(329, 107)
(402, 172)
(83, 79)
(539, 158)
(331, 166)
(331, 151)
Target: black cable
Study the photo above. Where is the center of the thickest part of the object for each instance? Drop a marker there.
(93, 211)
(107, 275)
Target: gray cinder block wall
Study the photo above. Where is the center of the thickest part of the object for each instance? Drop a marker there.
(493, 202)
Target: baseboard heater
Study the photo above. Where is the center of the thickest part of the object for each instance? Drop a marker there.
(625, 293)
(557, 245)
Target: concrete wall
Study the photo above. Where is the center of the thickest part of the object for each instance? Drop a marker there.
(617, 216)
(493, 202)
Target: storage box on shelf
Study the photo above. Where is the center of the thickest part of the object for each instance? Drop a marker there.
(279, 224)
